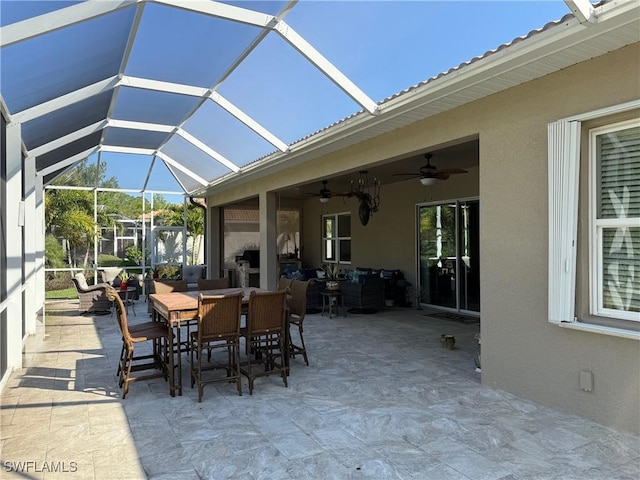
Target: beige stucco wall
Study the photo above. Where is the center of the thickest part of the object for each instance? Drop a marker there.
(521, 351)
(389, 239)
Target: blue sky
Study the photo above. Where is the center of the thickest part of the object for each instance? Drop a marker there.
(382, 46)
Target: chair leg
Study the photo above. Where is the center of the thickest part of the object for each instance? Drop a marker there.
(304, 348)
(127, 374)
(283, 370)
(193, 365)
(236, 364)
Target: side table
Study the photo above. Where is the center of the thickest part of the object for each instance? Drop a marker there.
(333, 300)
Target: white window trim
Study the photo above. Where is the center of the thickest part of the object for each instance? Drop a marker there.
(337, 238)
(596, 294)
(562, 243)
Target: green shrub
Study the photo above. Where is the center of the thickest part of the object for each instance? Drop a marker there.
(53, 253)
(168, 271)
(109, 261)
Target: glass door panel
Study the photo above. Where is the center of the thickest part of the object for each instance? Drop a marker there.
(469, 261)
(449, 254)
(437, 252)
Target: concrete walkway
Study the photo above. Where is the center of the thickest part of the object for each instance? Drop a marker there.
(381, 399)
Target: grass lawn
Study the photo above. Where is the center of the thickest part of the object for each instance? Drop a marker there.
(61, 294)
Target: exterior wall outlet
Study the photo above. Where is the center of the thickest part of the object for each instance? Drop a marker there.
(586, 380)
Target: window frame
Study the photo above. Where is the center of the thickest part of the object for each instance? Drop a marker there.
(566, 139)
(596, 227)
(335, 240)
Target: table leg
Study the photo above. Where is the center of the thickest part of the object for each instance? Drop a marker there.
(178, 385)
(332, 300)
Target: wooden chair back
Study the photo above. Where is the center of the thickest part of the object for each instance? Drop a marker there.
(266, 313)
(168, 286)
(213, 283)
(298, 300)
(219, 316)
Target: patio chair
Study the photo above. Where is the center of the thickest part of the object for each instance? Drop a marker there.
(92, 298)
(110, 274)
(213, 283)
(155, 332)
(297, 311)
(218, 329)
(284, 283)
(168, 286)
(365, 295)
(264, 336)
(193, 273)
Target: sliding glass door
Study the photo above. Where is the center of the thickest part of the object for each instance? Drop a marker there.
(448, 251)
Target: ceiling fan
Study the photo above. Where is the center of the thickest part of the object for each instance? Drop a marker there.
(324, 193)
(429, 173)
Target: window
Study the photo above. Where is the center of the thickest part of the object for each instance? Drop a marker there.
(615, 220)
(594, 221)
(336, 238)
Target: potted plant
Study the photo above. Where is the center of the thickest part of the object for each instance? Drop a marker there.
(331, 271)
(124, 276)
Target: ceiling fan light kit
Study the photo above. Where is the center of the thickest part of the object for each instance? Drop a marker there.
(324, 199)
(429, 173)
(428, 181)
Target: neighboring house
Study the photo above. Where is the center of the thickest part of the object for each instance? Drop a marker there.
(544, 125)
(541, 126)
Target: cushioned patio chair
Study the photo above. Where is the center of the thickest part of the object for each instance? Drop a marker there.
(365, 295)
(193, 273)
(110, 274)
(92, 298)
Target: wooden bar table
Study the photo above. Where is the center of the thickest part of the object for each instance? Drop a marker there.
(179, 308)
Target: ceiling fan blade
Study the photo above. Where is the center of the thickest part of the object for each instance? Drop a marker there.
(441, 175)
(452, 171)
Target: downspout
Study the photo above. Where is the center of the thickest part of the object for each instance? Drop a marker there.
(204, 209)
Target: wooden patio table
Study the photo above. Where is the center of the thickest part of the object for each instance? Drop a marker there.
(178, 308)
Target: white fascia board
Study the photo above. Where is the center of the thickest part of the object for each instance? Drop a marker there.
(249, 122)
(131, 150)
(582, 10)
(178, 166)
(65, 100)
(150, 127)
(326, 67)
(147, 84)
(208, 150)
(68, 162)
(72, 137)
(64, 17)
(221, 10)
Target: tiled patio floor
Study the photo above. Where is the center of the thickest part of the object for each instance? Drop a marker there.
(381, 399)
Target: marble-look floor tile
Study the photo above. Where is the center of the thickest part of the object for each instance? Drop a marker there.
(358, 411)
